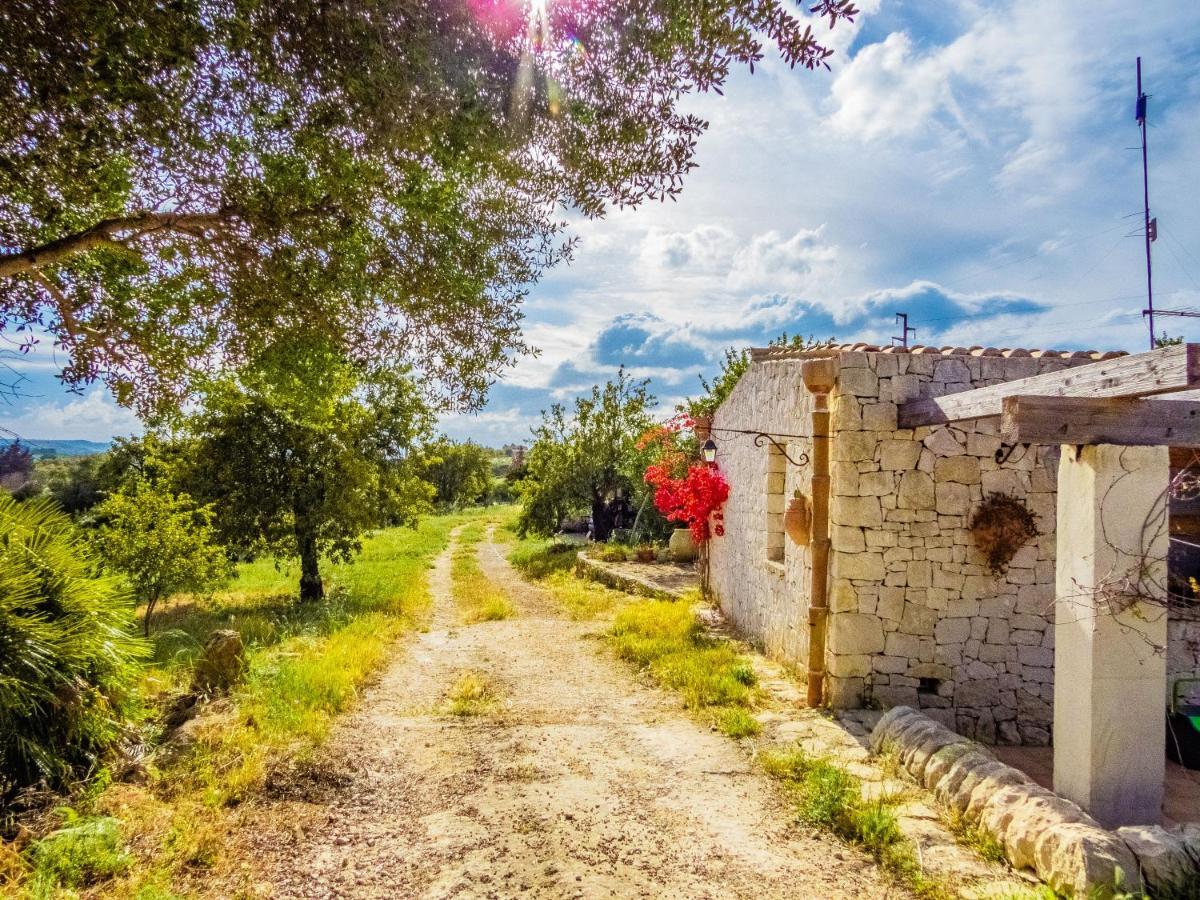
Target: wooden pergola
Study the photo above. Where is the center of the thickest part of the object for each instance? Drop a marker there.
(1116, 420)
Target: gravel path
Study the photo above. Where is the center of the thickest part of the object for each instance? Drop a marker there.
(579, 781)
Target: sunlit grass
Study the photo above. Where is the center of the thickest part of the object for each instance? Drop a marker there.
(307, 664)
(471, 695)
(478, 598)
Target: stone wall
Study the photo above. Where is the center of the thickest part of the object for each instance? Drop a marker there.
(919, 619)
(765, 598)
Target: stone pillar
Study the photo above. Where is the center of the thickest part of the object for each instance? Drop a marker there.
(1109, 657)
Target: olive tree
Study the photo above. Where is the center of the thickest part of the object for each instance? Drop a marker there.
(588, 459)
(302, 454)
(182, 183)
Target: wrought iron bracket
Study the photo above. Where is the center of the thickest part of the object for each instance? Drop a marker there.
(1005, 452)
(762, 436)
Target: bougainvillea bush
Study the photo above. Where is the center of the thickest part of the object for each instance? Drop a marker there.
(685, 491)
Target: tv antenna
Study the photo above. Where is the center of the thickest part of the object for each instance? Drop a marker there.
(905, 331)
(1151, 225)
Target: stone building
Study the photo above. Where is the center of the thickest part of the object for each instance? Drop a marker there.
(915, 615)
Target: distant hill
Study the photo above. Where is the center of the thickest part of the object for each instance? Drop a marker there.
(61, 448)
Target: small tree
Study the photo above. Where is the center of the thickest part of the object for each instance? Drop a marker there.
(163, 542)
(459, 473)
(587, 460)
(733, 367)
(303, 453)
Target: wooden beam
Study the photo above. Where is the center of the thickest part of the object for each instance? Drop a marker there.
(1098, 420)
(1157, 372)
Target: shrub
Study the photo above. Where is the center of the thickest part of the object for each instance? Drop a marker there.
(66, 649)
(537, 559)
(162, 541)
(84, 851)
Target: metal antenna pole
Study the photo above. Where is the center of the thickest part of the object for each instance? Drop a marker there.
(905, 331)
(1150, 224)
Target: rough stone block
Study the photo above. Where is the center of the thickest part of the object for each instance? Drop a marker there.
(862, 566)
(1166, 867)
(863, 512)
(856, 633)
(953, 499)
(961, 469)
(860, 382)
(916, 491)
(942, 442)
(952, 631)
(879, 416)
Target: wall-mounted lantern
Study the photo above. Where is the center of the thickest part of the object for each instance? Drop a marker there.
(709, 450)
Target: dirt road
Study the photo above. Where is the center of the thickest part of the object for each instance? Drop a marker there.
(578, 781)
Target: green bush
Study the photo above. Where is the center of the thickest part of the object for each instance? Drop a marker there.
(67, 651)
(84, 851)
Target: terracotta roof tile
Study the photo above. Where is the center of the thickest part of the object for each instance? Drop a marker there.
(768, 353)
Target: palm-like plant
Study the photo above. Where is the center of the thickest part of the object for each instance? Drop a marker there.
(67, 649)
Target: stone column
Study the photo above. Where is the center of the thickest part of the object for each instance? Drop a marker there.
(1109, 656)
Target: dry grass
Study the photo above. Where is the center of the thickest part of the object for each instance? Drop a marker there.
(478, 598)
(470, 695)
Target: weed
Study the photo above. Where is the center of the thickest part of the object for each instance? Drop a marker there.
(538, 559)
(744, 674)
(87, 849)
(738, 723)
(978, 839)
(470, 696)
(828, 796)
(478, 598)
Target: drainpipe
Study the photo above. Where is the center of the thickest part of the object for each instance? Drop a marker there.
(819, 377)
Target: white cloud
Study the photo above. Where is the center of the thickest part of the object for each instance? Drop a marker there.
(705, 248)
(771, 262)
(91, 417)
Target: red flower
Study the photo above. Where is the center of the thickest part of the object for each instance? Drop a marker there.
(692, 499)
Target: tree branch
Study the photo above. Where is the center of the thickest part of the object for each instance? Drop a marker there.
(110, 233)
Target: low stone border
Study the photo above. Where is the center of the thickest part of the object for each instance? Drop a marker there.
(622, 581)
(1038, 829)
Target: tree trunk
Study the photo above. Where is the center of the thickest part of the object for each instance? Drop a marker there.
(310, 573)
(604, 517)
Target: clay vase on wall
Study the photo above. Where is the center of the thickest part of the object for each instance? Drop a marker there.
(797, 520)
(702, 428)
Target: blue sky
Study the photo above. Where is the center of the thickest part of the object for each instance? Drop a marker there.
(964, 162)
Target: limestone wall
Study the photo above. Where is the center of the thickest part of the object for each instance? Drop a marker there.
(767, 599)
(917, 618)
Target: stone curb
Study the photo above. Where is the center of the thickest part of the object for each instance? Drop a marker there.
(1038, 829)
(597, 571)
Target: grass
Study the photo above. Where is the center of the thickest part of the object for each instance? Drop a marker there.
(86, 850)
(307, 663)
(829, 797)
(477, 597)
(471, 695)
(666, 639)
(551, 563)
(538, 559)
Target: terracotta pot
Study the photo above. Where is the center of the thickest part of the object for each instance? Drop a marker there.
(702, 428)
(682, 547)
(797, 521)
(646, 554)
